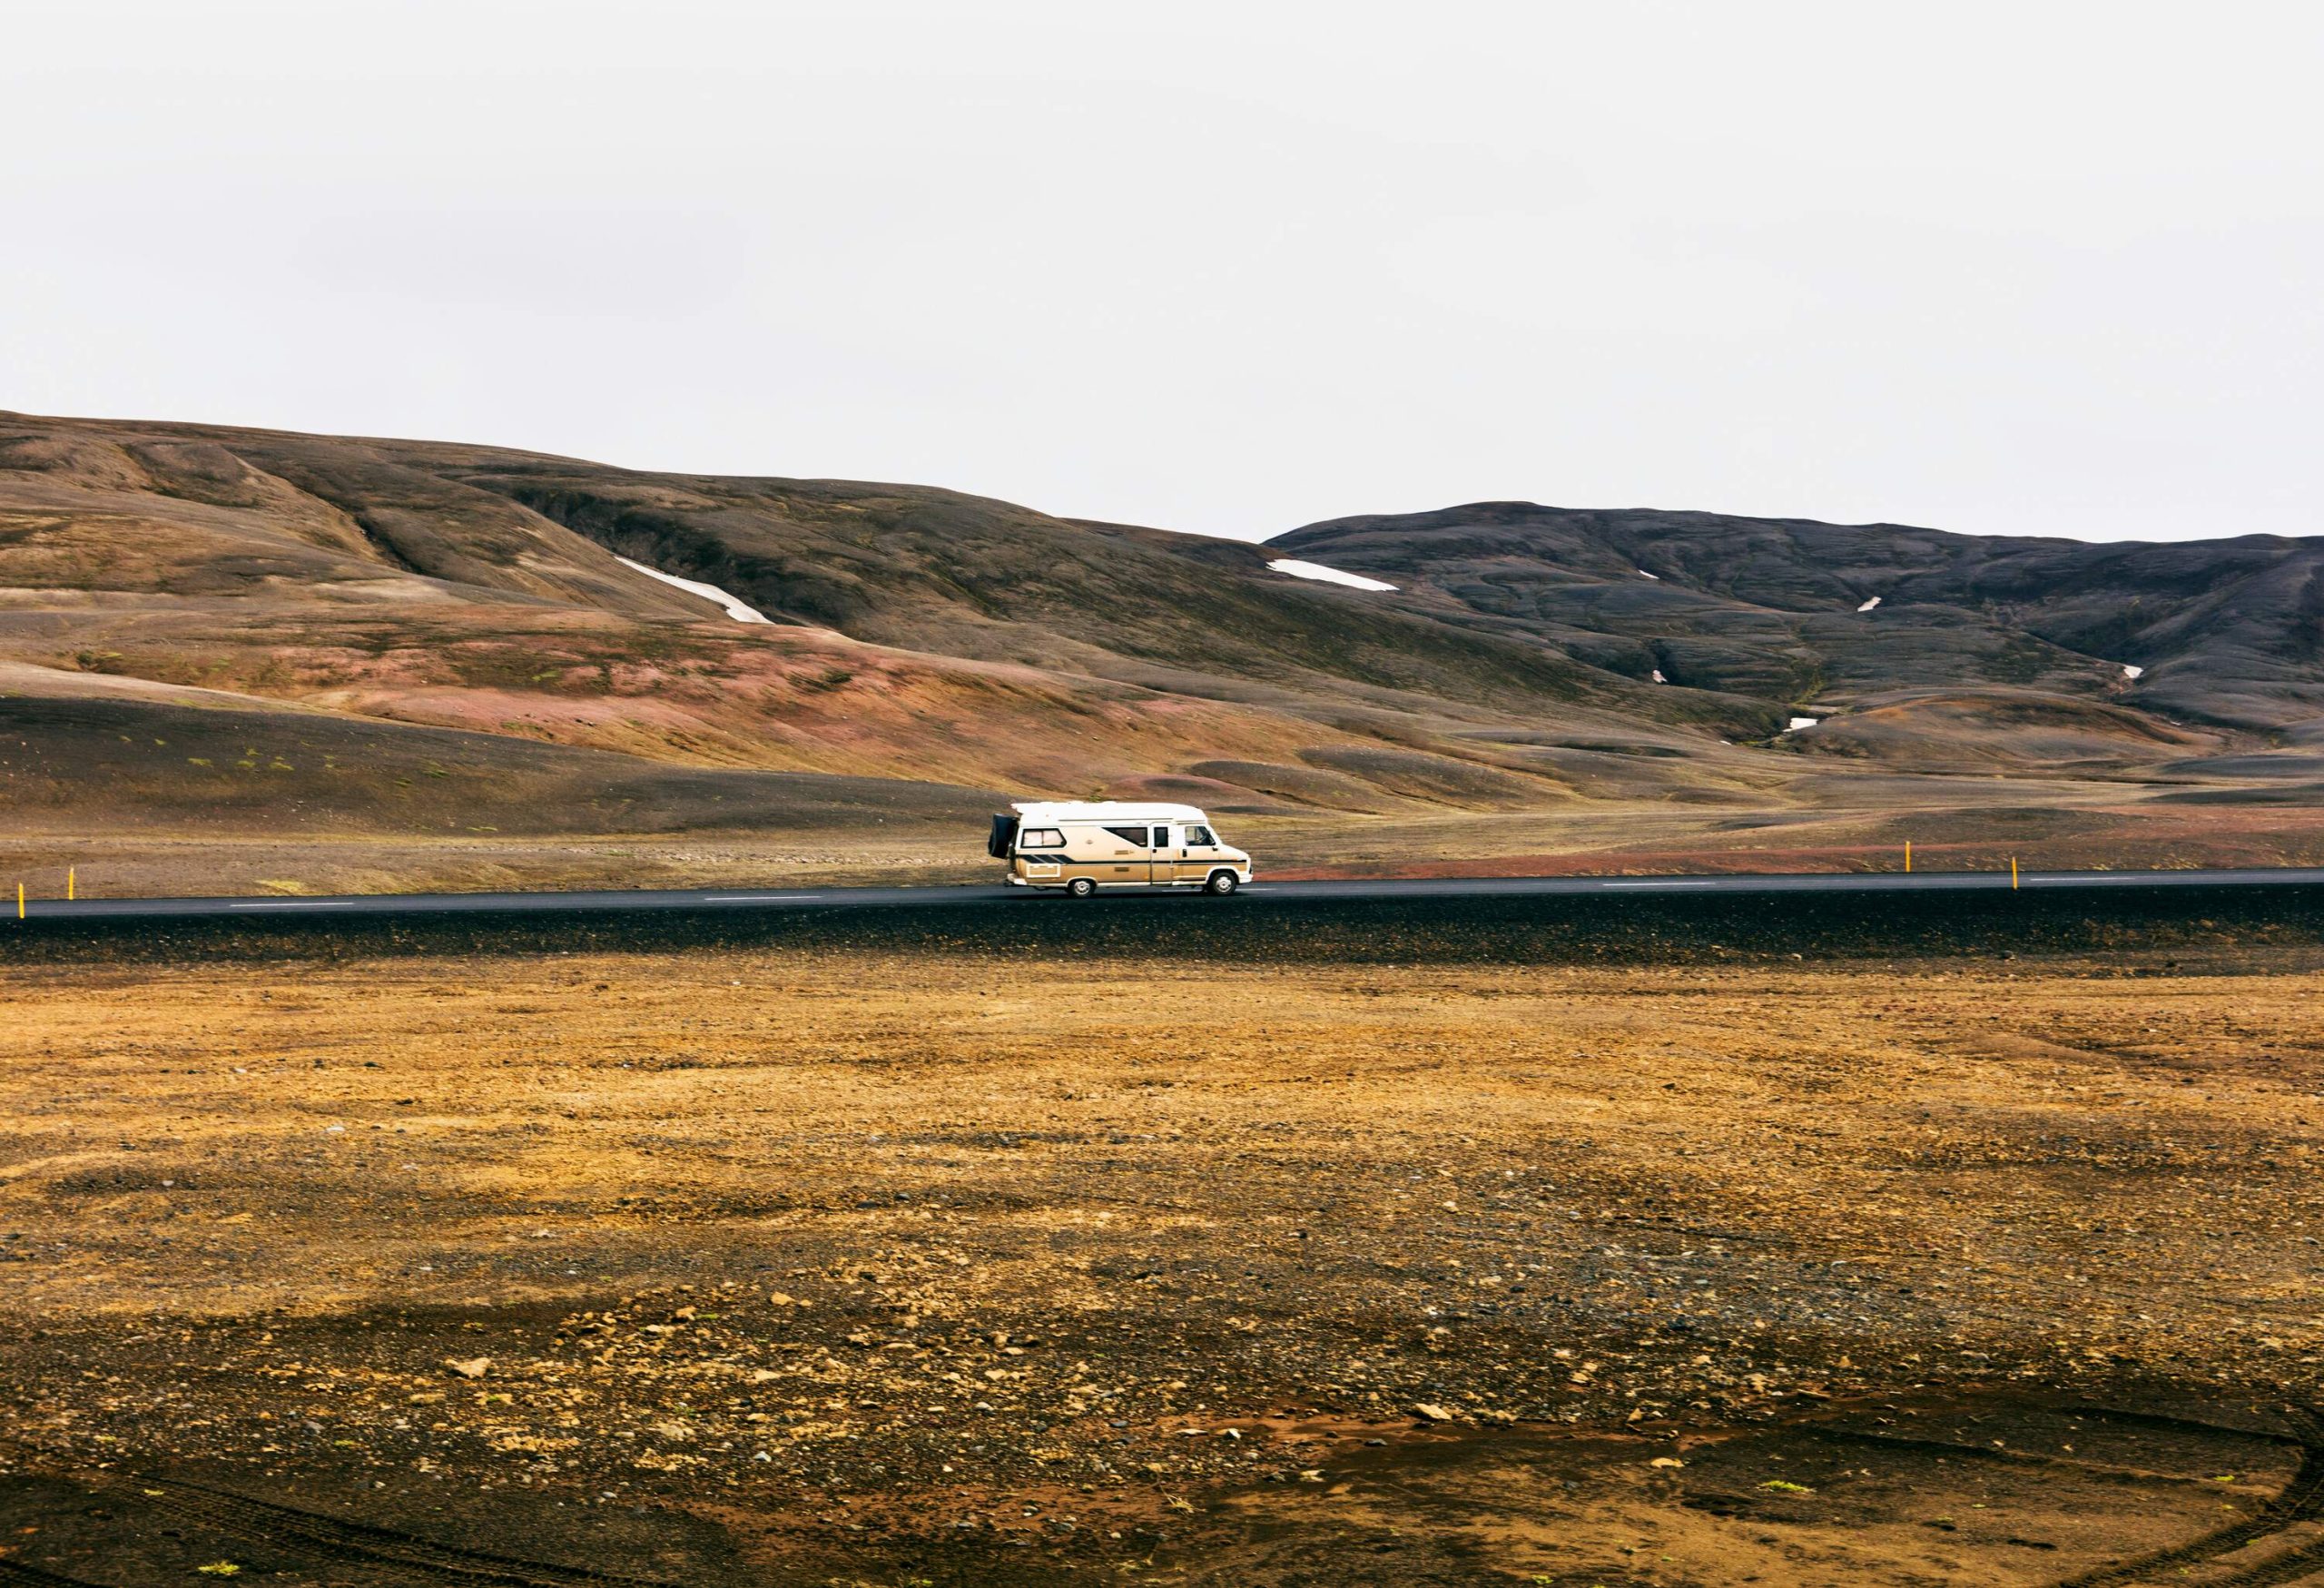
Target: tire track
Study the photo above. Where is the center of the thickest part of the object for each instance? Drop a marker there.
(2106, 1471)
(2305, 1430)
(267, 1523)
(17, 1575)
(2300, 1500)
(2307, 1560)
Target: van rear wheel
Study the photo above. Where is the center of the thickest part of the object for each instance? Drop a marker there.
(1080, 887)
(1221, 883)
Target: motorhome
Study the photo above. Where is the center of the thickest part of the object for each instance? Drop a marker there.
(1081, 847)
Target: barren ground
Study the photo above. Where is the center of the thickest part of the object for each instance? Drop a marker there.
(1953, 825)
(816, 1264)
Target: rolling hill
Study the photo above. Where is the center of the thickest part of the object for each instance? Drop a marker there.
(2228, 632)
(261, 635)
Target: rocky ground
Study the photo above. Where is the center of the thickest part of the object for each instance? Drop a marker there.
(832, 1262)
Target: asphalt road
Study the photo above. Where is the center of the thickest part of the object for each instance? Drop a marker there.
(1256, 895)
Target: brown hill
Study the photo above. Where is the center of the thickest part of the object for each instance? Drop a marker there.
(916, 633)
(303, 633)
(2229, 632)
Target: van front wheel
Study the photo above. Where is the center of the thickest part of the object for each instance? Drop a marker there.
(1080, 887)
(1221, 883)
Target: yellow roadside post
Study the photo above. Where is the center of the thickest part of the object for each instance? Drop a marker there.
(71, 893)
(1908, 857)
(2012, 871)
(20, 901)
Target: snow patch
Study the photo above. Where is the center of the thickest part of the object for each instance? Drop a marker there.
(1317, 570)
(1644, 574)
(2131, 672)
(1868, 606)
(734, 609)
(1799, 723)
(1658, 679)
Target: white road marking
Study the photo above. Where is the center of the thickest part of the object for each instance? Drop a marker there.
(2077, 882)
(1658, 884)
(753, 898)
(299, 904)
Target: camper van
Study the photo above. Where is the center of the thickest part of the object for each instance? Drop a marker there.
(1082, 847)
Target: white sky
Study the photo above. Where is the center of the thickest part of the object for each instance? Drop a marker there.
(2024, 267)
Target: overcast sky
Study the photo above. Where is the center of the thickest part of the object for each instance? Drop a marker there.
(2018, 268)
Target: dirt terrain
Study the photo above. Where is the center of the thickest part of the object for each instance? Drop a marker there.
(925, 833)
(1039, 1257)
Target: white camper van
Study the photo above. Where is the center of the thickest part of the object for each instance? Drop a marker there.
(1083, 847)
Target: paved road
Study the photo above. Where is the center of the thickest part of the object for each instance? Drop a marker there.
(1257, 894)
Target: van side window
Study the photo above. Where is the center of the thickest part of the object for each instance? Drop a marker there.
(1130, 835)
(1161, 838)
(1199, 837)
(1041, 838)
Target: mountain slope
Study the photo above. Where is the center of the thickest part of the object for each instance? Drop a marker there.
(919, 634)
(2224, 631)
(421, 637)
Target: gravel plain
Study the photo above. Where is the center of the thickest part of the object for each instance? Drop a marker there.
(1105, 1258)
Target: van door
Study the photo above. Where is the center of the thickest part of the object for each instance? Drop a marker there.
(1197, 851)
(1172, 862)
